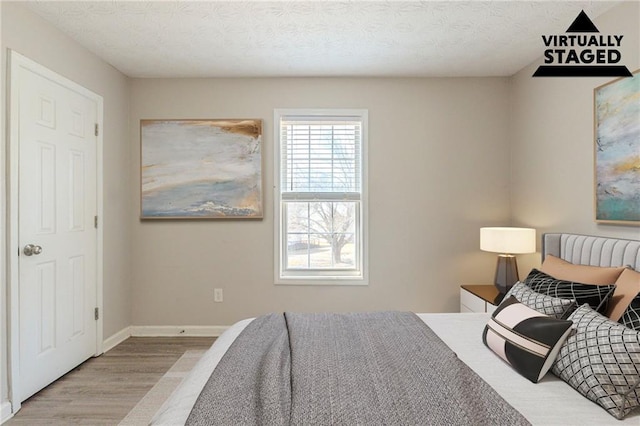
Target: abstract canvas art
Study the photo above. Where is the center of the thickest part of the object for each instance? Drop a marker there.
(201, 169)
(617, 151)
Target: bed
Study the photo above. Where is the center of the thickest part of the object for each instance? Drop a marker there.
(549, 402)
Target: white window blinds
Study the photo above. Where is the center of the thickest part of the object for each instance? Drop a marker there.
(320, 155)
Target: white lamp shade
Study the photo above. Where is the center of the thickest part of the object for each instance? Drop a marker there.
(508, 240)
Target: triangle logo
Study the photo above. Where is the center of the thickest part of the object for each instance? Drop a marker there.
(572, 55)
(582, 24)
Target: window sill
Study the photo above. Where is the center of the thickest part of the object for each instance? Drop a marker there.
(322, 281)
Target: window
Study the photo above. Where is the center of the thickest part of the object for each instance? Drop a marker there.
(320, 196)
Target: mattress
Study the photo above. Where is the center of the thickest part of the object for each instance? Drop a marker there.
(462, 333)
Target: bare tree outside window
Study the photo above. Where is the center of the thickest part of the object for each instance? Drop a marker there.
(320, 231)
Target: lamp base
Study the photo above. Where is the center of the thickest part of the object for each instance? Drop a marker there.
(506, 273)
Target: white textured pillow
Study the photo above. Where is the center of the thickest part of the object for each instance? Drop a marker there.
(548, 305)
(601, 360)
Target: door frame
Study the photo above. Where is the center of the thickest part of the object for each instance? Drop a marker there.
(16, 61)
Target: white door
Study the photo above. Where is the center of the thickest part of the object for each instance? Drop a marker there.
(57, 237)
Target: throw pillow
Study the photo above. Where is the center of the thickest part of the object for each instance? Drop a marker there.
(601, 360)
(627, 288)
(526, 339)
(631, 316)
(597, 296)
(548, 305)
(586, 274)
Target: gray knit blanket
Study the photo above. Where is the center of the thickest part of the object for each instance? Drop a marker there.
(385, 368)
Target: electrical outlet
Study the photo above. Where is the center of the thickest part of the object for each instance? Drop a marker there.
(217, 295)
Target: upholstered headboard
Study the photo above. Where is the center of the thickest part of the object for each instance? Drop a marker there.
(590, 250)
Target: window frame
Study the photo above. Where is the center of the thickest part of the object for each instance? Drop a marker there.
(314, 276)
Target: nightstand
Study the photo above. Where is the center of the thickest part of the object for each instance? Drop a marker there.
(479, 298)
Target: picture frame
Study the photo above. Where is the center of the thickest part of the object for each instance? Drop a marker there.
(201, 169)
(617, 151)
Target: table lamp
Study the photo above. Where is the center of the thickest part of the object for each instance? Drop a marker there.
(507, 241)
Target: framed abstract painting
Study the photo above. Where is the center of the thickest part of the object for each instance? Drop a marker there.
(617, 151)
(201, 169)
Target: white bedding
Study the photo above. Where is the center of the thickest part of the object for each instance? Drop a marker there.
(550, 402)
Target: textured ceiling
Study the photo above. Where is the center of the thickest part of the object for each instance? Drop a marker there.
(315, 38)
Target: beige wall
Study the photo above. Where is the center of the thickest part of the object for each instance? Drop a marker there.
(552, 140)
(26, 33)
(438, 170)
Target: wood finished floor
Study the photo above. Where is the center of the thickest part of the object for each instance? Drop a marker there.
(103, 390)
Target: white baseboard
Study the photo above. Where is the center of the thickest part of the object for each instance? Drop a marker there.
(116, 338)
(177, 330)
(5, 411)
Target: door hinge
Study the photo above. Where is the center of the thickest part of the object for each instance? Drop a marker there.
(96, 132)
(95, 222)
(96, 314)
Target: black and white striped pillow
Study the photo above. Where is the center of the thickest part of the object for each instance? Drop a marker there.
(597, 296)
(545, 304)
(631, 316)
(526, 339)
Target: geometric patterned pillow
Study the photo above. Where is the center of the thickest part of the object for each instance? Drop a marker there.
(601, 360)
(631, 316)
(548, 305)
(597, 296)
(526, 339)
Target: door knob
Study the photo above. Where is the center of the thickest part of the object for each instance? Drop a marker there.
(32, 249)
